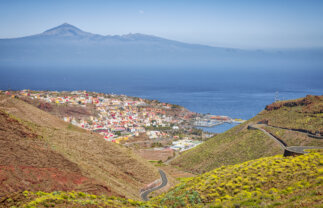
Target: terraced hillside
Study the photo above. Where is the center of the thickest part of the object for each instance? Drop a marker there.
(267, 182)
(294, 120)
(39, 152)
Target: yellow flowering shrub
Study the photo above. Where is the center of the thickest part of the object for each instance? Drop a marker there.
(266, 182)
(255, 183)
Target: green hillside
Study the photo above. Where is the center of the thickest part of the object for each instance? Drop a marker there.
(267, 182)
(303, 114)
(241, 144)
(46, 162)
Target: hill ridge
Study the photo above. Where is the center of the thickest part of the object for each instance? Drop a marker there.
(240, 144)
(109, 164)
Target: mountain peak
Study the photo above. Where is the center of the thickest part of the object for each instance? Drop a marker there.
(66, 24)
(66, 30)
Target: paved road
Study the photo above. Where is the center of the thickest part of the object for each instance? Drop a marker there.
(283, 145)
(300, 149)
(144, 195)
(279, 141)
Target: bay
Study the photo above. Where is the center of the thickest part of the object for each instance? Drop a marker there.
(238, 93)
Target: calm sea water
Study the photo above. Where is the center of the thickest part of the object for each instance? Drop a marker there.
(238, 93)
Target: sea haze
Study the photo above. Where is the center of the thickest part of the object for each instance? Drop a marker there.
(67, 45)
(223, 81)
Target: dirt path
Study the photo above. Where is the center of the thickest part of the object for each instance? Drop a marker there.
(171, 159)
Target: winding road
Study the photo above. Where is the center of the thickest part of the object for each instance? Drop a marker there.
(277, 140)
(144, 195)
(283, 145)
(167, 162)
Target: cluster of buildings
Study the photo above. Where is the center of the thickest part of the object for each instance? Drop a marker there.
(184, 144)
(116, 117)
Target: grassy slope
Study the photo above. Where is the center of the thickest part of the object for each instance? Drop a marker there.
(26, 163)
(267, 182)
(292, 138)
(60, 199)
(234, 146)
(240, 144)
(108, 163)
(304, 113)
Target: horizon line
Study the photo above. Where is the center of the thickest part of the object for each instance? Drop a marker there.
(156, 36)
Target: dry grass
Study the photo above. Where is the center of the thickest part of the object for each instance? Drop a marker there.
(110, 164)
(157, 155)
(306, 116)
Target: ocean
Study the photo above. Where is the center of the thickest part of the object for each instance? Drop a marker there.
(238, 93)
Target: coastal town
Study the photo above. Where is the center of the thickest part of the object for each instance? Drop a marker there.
(123, 119)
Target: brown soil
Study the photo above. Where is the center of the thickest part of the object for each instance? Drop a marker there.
(60, 110)
(73, 154)
(175, 172)
(142, 142)
(27, 163)
(150, 154)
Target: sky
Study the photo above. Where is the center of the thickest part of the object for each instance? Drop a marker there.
(226, 23)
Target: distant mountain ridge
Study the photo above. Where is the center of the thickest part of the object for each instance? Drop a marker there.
(65, 30)
(68, 30)
(67, 45)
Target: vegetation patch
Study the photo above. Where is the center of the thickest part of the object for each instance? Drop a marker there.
(69, 200)
(265, 182)
(293, 138)
(236, 145)
(303, 114)
(240, 144)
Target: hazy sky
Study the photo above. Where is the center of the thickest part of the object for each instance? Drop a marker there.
(240, 23)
